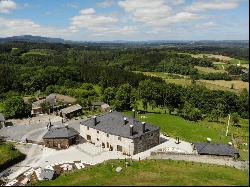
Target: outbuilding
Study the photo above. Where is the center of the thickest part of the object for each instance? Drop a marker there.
(216, 149)
(61, 137)
(71, 111)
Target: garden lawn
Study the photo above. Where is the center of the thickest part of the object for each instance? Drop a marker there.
(153, 172)
(176, 126)
(8, 153)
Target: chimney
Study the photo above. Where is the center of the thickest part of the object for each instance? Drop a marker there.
(143, 126)
(94, 120)
(131, 130)
(133, 113)
(125, 121)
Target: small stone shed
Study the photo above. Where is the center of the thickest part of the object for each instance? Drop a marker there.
(61, 137)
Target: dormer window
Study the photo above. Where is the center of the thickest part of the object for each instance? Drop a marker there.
(107, 135)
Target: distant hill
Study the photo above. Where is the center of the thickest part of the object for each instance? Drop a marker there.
(30, 38)
(122, 43)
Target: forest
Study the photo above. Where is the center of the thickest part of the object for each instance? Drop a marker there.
(97, 73)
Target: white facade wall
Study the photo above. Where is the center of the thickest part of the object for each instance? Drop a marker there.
(126, 143)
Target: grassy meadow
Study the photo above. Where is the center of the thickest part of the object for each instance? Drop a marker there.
(152, 172)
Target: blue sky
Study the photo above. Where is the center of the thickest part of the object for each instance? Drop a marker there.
(108, 20)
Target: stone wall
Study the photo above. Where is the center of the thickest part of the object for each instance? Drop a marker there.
(61, 143)
(146, 141)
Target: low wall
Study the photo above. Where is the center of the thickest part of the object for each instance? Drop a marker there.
(34, 142)
(184, 156)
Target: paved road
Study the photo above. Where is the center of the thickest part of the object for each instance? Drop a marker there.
(18, 132)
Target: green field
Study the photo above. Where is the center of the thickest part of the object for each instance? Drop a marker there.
(210, 84)
(8, 153)
(152, 172)
(236, 61)
(35, 53)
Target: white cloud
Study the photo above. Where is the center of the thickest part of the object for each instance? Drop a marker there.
(87, 11)
(98, 24)
(155, 13)
(207, 25)
(11, 27)
(202, 5)
(146, 11)
(106, 3)
(7, 5)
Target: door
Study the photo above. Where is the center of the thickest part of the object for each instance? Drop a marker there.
(119, 148)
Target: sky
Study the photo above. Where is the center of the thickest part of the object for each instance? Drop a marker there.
(133, 20)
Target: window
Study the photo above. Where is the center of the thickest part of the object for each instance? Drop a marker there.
(87, 128)
(119, 138)
(97, 139)
(151, 134)
(97, 132)
(88, 137)
(107, 135)
(119, 148)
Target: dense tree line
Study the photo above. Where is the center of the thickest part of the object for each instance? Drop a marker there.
(26, 68)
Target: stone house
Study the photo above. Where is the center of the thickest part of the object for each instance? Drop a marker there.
(60, 137)
(117, 132)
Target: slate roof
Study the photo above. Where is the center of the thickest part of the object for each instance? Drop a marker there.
(47, 174)
(215, 149)
(245, 71)
(60, 132)
(71, 109)
(113, 123)
(105, 105)
(51, 99)
(38, 103)
(2, 118)
(97, 103)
